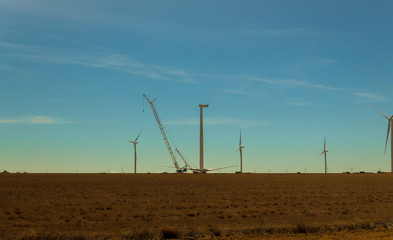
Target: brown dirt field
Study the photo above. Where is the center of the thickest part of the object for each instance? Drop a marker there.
(189, 206)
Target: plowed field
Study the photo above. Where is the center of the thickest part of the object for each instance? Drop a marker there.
(231, 206)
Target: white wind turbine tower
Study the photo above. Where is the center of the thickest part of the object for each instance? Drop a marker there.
(390, 120)
(324, 152)
(135, 143)
(241, 152)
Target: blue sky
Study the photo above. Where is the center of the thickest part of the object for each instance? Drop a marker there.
(72, 74)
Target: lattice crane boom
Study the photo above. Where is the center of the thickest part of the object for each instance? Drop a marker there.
(168, 146)
(188, 165)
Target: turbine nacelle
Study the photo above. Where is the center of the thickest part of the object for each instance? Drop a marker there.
(136, 139)
(240, 147)
(324, 147)
(323, 152)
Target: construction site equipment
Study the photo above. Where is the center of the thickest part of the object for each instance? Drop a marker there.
(168, 146)
(188, 164)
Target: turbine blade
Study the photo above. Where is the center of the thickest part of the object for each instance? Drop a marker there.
(138, 136)
(321, 153)
(237, 149)
(220, 168)
(382, 113)
(240, 139)
(387, 137)
(324, 144)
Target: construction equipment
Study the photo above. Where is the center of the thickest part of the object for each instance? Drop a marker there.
(197, 170)
(188, 165)
(168, 146)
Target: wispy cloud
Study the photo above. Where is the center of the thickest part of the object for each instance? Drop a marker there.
(220, 121)
(42, 120)
(296, 83)
(292, 83)
(124, 63)
(236, 91)
(286, 32)
(3, 121)
(370, 96)
(280, 82)
(14, 70)
(35, 120)
(11, 45)
(309, 63)
(115, 62)
(299, 103)
(6, 68)
(4, 30)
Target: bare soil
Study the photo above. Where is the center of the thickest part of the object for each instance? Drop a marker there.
(190, 206)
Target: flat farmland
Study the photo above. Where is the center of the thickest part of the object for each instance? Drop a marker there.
(190, 206)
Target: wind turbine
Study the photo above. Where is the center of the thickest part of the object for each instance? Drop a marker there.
(390, 120)
(241, 151)
(324, 152)
(135, 143)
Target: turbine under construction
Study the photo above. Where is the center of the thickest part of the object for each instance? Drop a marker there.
(324, 152)
(135, 142)
(201, 106)
(188, 165)
(390, 120)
